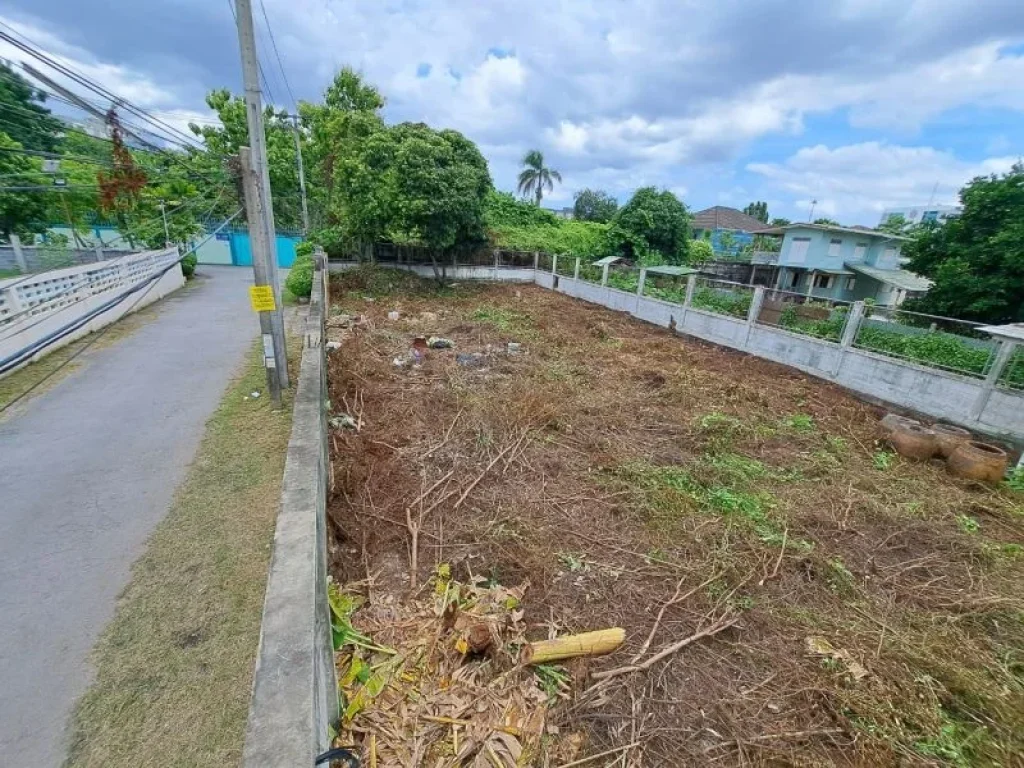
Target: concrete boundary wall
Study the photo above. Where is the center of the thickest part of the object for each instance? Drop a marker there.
(972, 403)
(977, 404)
(502, 274)
(294, 699)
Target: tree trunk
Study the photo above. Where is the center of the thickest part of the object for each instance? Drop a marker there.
(439, 270)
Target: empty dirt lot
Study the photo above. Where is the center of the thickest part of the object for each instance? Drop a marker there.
(847, 607)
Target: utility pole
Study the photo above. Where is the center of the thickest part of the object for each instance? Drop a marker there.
(258, 244)
(810, 216)
(302, 175)
(167, 233)
(258, 144)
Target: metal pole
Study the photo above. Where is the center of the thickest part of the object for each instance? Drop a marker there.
(302, 175)
(258, 144)
(167, 234)
(258, 242)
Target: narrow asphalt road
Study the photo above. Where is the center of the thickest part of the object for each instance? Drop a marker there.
(87, 470)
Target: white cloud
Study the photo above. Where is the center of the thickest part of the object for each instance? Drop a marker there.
(160, 101)
(856, 182)
(618, 93)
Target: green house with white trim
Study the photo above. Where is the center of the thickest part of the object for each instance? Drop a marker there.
(844, 263)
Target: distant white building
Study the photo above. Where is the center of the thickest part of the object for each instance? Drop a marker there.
(922, 214)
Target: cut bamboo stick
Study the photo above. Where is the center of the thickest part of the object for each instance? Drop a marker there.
(594, 643)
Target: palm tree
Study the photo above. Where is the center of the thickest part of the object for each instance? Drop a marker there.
(535, 178)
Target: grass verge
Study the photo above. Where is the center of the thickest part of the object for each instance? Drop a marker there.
(174, 667)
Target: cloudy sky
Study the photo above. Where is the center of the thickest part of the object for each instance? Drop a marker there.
(859, 104)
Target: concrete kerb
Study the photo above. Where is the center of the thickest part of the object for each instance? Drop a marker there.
(294, 699)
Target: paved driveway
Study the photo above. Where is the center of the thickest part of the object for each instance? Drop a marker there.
(87, 470)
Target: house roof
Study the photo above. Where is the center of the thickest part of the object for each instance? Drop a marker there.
(1013, 331)
(900, 278)
(721, 217)
(607, 260)
(670, 270)
(856, 230)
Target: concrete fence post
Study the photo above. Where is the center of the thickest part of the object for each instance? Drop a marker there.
(753, 313)
(640, 289)
(1003, 354)
(554, 263)
(12, 300)
(536, 260)
(99, 251)
(854, 318)
(604, 275)
(19, 255)
(576, 270)
(691, 284)
(497, 258)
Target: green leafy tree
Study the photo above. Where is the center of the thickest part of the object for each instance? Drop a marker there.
(976, 259)
(25, 119)
(225, 139)
(334, 134)
(521, 226)
(759, 210)
(536, 177)
(896, 224)
(594, 205)
(652, 222)
(439, 182)
(21, 212)
(503, 209)
(77, 205)
(827, 222)
(778, 221)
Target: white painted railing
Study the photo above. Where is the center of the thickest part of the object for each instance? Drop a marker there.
(33, 306)
(33, 296)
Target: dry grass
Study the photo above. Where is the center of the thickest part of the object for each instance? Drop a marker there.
(654, 467)
(174, 667)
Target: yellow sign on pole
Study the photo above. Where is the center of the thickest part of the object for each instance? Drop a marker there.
(261, 297)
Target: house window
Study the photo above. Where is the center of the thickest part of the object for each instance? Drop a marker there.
(859, 250)
(798, 250)
(823, 281)
(834, 245)
(794, 279)
(851, 283)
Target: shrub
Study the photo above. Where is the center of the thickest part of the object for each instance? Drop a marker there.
(188, 265)
(723, 302)
(701, 252)
(300, 278)
(652, 221)
(944, 350)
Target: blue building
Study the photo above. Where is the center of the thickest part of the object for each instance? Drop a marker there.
(846, 263)
(728, 229)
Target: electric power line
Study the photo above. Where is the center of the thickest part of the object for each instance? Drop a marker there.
(277, 55)
(29, 47)
(263, 76)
